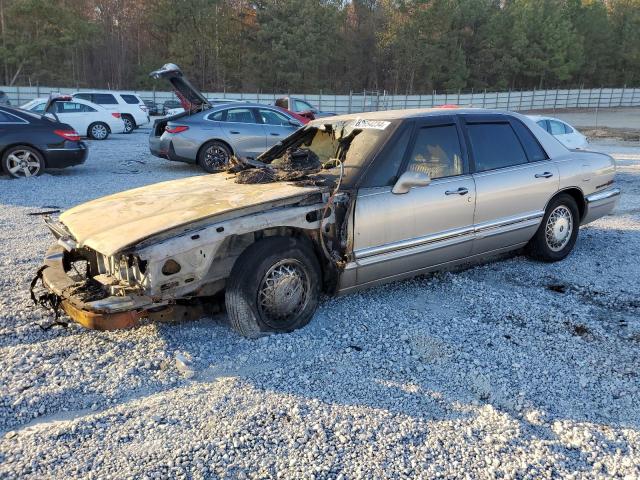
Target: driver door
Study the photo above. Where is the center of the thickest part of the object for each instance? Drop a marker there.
(398, 235)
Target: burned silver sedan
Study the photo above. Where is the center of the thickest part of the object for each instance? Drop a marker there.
(344, 203)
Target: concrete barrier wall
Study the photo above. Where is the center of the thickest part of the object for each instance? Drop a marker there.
(370, 101)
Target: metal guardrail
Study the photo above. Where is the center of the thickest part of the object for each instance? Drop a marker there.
(371, 101)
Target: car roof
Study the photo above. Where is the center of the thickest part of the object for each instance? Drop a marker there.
(76, 100)
(411, 113)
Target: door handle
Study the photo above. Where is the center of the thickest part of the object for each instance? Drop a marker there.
(544, 175)
(460, 191)
(235, 132)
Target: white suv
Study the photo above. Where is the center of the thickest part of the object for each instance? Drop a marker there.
(133, 110)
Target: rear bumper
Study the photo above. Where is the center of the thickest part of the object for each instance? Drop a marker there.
(600, 204)
(106, 313)
(73, 154)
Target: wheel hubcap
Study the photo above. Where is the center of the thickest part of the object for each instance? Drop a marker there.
(559, 228)
(128, 125)
(23, 163)
(216, 157)
(283, 293)
(99, 131)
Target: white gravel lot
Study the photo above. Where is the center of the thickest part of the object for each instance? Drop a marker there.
(512, 369)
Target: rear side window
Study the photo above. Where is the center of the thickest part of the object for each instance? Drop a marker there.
(529, 141)
(436, 151)
(130, 99)
(104, 99)
(39, 107)
(83, 96)
(495, 145)
(543, 124)
(217, 116)
(5, 118)
(557, 128)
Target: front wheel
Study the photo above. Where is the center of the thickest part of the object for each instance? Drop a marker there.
(22, 161)
(273, 287)
(558, 231)
(98, 131)
(214, 157)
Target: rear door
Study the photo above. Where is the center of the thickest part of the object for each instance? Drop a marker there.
(243, 131)
(276, 125)
(107, 100)
(398, 234)
(514, 180)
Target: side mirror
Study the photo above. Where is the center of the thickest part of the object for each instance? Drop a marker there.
(411, 179)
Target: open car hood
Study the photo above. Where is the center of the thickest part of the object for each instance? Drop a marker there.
(111, 223)
(190, 97)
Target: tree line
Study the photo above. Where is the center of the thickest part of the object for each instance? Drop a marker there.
(402, 46)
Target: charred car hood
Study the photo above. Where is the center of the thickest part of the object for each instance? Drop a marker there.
(111, 223)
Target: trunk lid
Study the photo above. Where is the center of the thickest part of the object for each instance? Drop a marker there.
(111, 223)
(190, 97)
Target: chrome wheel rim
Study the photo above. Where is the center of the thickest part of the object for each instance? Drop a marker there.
(23, 163)
(216, 157)
(128, 125)
(99, 132)
(283, 293)
(559, 228)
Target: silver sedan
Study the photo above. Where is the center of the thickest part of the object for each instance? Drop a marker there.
(210, 137)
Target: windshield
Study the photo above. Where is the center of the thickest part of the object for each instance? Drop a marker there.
(351, 142)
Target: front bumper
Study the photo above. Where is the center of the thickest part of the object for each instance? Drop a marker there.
(105, 313)
(600, 204)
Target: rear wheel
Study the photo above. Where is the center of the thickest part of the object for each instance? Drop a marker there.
(22, 161)
(214, 156)
(558, 231)
(98, 131)
(129, 123)
(273, 287)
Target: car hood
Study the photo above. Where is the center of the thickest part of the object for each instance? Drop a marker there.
(111, 223)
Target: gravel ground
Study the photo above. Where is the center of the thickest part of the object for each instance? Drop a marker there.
(512, 369)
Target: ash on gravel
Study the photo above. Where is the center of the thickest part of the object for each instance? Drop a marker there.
(512, 369)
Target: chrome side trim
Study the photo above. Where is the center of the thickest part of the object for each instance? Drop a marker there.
(521, 221)
(412, 242)
(605, 194)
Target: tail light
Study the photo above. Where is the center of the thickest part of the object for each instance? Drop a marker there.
(116, 114)
(70, 135)
(143, 108)
(176, 129)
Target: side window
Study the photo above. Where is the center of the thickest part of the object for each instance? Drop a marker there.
(130, 99)
(567, 128)
(384, 172)
(104, 99)
(495, 145)
(240, 115)
(39, 107)
(217, 116)
(68, 107)
(83, 96)
(543, 124)
(5, 118)
(556, 128)
(270, 117)
(302, 106)
(529, 141)
(436, 151)
(87, 108)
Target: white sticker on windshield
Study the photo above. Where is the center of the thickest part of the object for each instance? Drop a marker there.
(375, 124)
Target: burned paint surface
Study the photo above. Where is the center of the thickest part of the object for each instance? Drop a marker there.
(111, 223)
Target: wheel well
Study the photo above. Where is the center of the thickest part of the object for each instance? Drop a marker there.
(131, 117)
(578, 196)
(44, 158)
(214, 140)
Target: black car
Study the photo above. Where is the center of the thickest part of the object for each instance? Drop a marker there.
(152, 106)
(29, 143)
(4, 98)
(169, 104)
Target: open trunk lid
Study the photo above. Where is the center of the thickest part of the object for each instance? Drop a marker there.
(190, 97)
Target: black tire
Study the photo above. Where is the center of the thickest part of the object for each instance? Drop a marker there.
(551, 242)
(273, 265)
(129, 123)
(214, 157)
(22, 161)
(98, 131)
